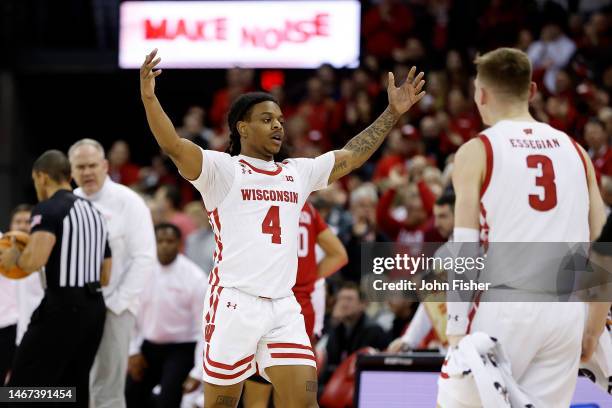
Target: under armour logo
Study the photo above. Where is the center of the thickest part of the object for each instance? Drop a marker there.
(289, 178)
(528, 131)
(229, 304)
(246, 171)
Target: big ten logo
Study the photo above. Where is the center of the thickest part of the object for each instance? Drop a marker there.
(194, 30)
(294, 31)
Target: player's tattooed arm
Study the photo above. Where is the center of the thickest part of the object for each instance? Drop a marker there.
(362, 146)
(185, 154)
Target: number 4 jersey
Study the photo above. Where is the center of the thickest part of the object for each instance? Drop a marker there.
(254, 209)
(535, 188)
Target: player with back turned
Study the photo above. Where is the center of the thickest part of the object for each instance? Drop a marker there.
(253, 322)
(523, 181)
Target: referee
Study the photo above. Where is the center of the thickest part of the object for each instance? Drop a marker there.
(69, 239)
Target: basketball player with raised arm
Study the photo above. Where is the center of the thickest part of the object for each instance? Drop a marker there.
(252, 320)
(523, 181)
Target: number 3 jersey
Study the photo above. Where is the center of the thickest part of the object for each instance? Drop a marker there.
(254, 209)
(535, 188)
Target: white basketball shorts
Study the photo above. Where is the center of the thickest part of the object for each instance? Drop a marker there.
(245, 334)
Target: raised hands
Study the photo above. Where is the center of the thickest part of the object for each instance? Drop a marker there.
(410, 92)
(147, 75)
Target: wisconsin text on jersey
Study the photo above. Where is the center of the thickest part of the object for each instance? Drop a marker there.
(251, 194)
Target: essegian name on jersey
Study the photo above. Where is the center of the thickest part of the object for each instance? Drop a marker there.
(252, 194)
(534, 144)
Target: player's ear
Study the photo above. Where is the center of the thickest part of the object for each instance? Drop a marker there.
(482, 95)
(105, 165)
(45, 179)
(242, 128)
(533, 90)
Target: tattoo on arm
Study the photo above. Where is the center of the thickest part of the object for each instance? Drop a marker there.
(311, 386)
(340, 165)
(226, 401)
(365, 143)
(362, 146)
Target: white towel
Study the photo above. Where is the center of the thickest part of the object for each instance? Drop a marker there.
(483, 358)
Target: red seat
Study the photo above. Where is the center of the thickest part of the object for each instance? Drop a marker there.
(340, 389)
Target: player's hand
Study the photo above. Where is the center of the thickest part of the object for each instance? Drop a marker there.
(410, 92)
(147, 75)
(9, 256)
(190, 385)
(137, 366)
(396, 346)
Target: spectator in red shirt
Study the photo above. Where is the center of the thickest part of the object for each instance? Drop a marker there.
(599, 146)
(351, 115)
(417, 201)
(432, 133)
(437, 92)
(385, 27)
(317, 109)
(561, 114)
(413, 53)
(327, 75)
(402, 144)
(120, 169)
(456, 70)
(463, 124)
(499, 22)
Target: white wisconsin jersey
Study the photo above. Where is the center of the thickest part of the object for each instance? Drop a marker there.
(254, 209)
(536, 187)
(535, 191)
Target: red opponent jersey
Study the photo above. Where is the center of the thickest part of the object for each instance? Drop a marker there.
(310, 226)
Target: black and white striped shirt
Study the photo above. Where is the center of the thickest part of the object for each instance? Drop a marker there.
(81, 239)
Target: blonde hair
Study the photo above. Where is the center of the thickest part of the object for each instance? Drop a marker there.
(507, 70)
